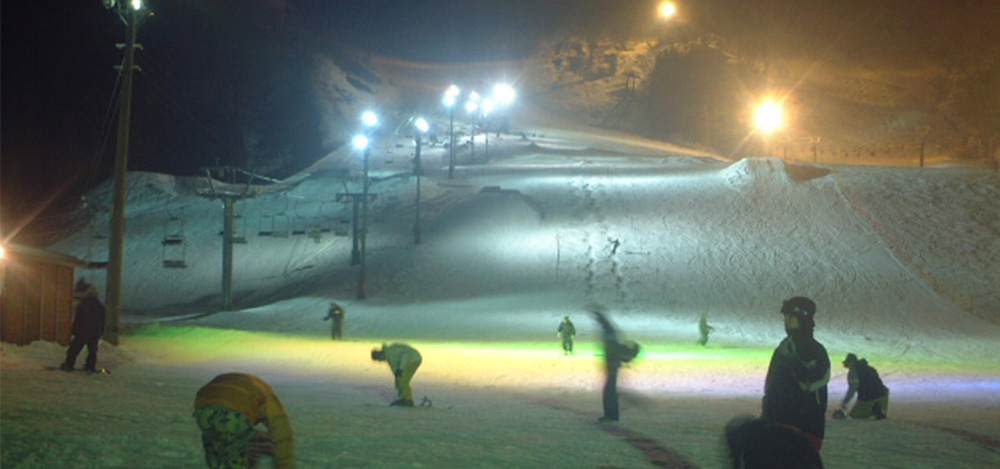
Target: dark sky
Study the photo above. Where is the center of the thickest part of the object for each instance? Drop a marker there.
(58, 78)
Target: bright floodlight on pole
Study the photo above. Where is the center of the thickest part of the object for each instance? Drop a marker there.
(369, 119)
(359, 142)
(667, 10)
(421, 124)
(503, 94)
(769, 117)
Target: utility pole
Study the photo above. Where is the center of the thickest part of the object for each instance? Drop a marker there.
(130, 15)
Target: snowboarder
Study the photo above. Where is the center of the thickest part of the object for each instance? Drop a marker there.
(566, 332)
(88, 325)
(795, 390)
(336, 312)
(873, 396)
(227, 409)
(704, 329)
(403, 360)
(615, 354)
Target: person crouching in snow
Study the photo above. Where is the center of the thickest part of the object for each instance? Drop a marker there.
(227, 409)
(403, 360)
(873, 396)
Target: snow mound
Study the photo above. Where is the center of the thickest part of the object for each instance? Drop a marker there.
(749, 171)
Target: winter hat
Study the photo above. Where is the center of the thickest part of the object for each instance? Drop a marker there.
(850, 360)
(802, 308)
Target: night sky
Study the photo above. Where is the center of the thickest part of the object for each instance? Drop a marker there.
(58, 59)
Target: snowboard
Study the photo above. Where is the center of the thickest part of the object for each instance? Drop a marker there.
(100, 371)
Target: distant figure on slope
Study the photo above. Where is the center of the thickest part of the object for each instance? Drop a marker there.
(227, 409)
(336, 312)
(403, 360)
(615, 354)
(88, 326)
(566, 332)
(795, 390)
(873, 396)
(758, 444)
(704, 329)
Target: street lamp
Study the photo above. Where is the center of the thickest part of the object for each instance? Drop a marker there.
(363, 142)
(503, 96)
(769, 118)
(449, 100)
(485, 109)
(421, 125)
(667, 10)
(471, 107)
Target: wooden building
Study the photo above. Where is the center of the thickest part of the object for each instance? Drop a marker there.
(36, 295)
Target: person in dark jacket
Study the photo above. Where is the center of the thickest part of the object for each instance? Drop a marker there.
(704, 329)
(88, 326)
(566, 332)
(795, 390)
(336, 312)
(873, 396)
(616, 352)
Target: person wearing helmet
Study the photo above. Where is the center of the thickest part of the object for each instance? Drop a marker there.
(403, 360)
(616, 353)
(228, 408)
(795, 389)
(873, 396)
(566, 332)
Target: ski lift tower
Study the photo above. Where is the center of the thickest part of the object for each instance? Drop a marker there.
(229, 199)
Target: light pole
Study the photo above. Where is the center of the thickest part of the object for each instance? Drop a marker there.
(472, 107)
(421, 127)
(369, 120)
(486, 109)
(129, 13)
(450, 97)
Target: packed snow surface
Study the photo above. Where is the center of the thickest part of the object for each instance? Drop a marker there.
(901, 261)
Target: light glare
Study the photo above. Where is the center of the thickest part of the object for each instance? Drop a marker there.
(770, 117)
(369, 119)
(360, 142)
(503, 94)
(421, 125)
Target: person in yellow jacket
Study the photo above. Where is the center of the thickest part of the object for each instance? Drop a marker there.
(403, 361)
(227, 409)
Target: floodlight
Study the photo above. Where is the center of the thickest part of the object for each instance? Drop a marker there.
(769, 117)
(503, 94)
(421, 124)
(369, 119)
(360, 142)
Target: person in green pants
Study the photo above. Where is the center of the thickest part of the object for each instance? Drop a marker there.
(403, 360)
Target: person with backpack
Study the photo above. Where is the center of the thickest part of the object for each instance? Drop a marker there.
(616, 353)
(873, 396)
